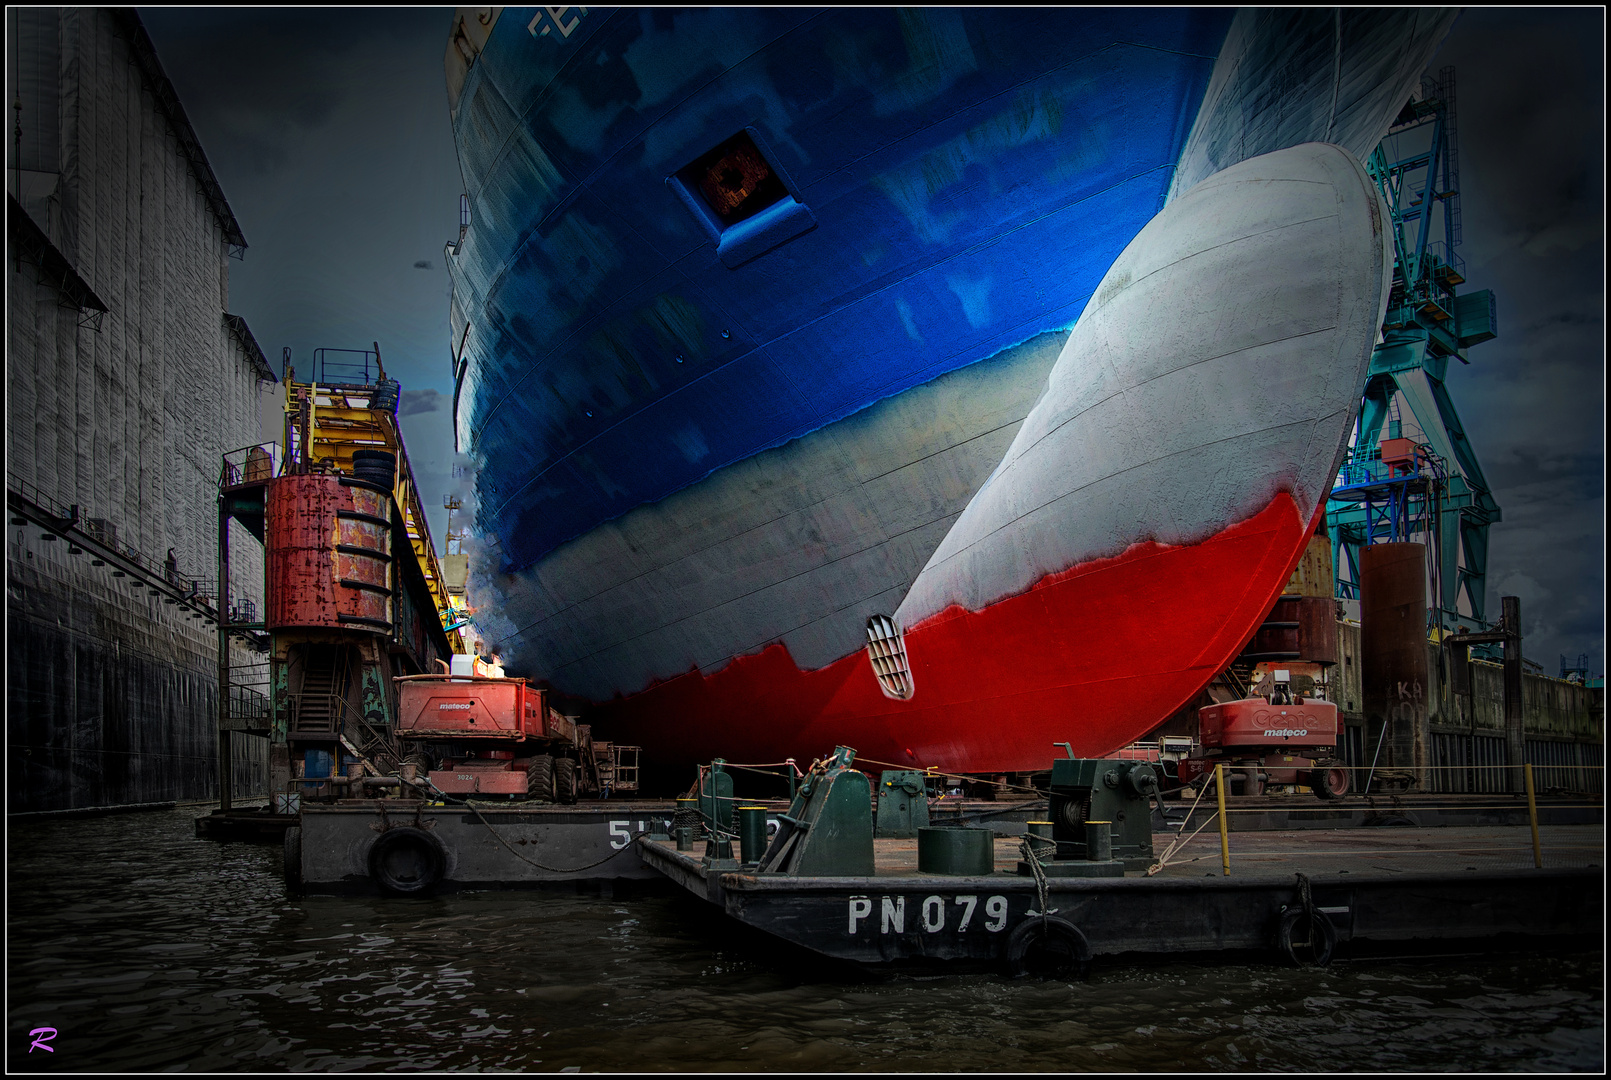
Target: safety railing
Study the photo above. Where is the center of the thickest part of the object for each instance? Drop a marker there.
(1441, 259)
(104, 533)
(41, 500)
(1473, 834)
(251, 464)
(333, 717)
(248, 707)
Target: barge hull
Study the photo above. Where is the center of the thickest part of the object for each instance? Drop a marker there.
(492, 848)
(1416, 891)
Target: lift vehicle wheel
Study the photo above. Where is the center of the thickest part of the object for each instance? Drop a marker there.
(1329, 780)
(564, 779)
(540, 778)
(1048, 948)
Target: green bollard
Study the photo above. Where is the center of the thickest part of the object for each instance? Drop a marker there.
(716, 800)
(685, 837)
(719, 854)
(1099, 841)
(965, 852)
(752, 833)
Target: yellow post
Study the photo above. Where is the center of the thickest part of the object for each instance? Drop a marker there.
(1532, 816)
(1224, 836)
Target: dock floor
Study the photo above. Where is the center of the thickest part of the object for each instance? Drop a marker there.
(1313, 851)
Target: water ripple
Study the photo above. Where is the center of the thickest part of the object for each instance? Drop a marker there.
(187, 955)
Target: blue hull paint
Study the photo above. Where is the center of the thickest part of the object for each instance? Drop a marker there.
(971, 175)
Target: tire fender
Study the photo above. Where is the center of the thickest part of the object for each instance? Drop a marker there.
(406, 861)
(1316, 953)
(1050, 946)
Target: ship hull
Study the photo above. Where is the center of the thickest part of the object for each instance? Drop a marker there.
(691, 528)
(1092, 656)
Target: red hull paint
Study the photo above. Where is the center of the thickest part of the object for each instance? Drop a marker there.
(1096, 655)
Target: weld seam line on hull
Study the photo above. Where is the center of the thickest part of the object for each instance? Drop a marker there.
(1244, 238)
(597, 320)
(1194, 665)
(1336, 74)
(1014, 88)
(763, 588)
(1126, 390)
(1160, 48)
(760, 348)
(1110, 476)
(1189, 542)
(780, 517)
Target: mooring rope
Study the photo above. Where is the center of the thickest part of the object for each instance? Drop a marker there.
(1029, 847)
(1177, 843)
(1308, 912)
(533, 862)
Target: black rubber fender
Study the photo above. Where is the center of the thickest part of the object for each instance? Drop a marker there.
(293, 858)
(406, 860)
(1313, 954)
(1049, 948)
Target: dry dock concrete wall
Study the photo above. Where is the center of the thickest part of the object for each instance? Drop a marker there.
(1563, 723)
(125, 382)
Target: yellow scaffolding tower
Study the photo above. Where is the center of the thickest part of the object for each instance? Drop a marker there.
(334, 421)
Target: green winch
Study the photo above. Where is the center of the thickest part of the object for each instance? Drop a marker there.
(903, 803)
(828, 830)
(1101, 811)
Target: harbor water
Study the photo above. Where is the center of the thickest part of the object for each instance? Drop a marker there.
(145, 949)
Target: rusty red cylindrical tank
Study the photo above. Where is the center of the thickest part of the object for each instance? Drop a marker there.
(1393, 651)
(328, 541)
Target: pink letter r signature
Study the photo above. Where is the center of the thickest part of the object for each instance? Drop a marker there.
(42, 1036)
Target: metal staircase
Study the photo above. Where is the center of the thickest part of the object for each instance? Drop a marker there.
(315, 710)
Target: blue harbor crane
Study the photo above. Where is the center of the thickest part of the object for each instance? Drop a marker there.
(1426, 481)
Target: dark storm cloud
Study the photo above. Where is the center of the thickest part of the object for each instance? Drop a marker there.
(413, 402)
(270, 72)
(1531, 127)
(1531, 138)
(328, 131)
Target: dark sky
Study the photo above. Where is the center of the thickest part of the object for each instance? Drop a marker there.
(328, 130)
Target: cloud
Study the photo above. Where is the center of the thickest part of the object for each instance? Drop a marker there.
(1530, 93)
(414, 402)
(258, 79)
(422, 264)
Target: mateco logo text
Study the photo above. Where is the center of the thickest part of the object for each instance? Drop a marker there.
(454, 705)
(1273, 733)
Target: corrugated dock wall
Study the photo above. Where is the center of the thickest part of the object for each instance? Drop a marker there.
(1563, 723)
(111, 695)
